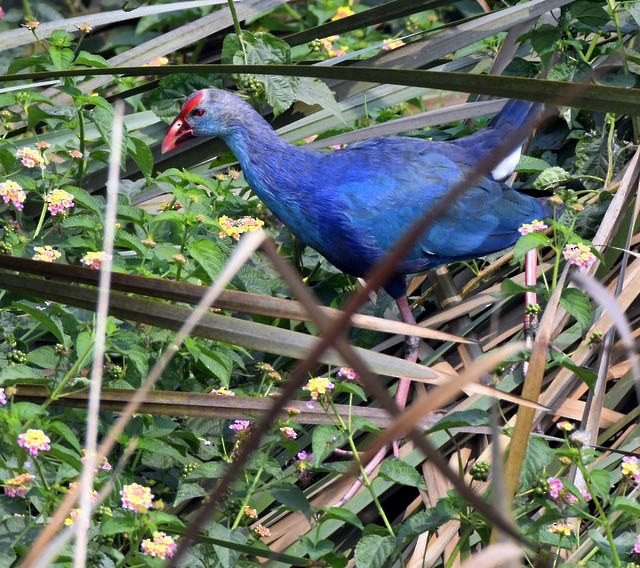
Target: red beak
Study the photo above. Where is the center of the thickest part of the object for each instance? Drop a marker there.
(180, 131)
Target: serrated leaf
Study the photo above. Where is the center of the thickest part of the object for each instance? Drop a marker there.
(627, 505)
(402, 473)
(25, 411)
(50, 323)
(67, 433)
(424, 521)
(460, 419)
(292, 497)
(529, 164)
(372, 550)
(91, 60)
(209, 256)
(85, 200)
(351, 388)
(345, 516)
(324, 439)
(552, 177)
(529, 242)
(141, 153)
(187, 491)
(44, 357)
(161, 448)
(601, 482)
(538, 456)
(577, 303)
(117, 524)
(21, 374)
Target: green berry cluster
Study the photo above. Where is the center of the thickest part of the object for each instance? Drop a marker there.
(480, 470)
(17, 357)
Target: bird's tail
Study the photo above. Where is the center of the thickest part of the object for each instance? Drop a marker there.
(515, 115)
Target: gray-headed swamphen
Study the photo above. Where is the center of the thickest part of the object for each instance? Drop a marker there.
(351, 205)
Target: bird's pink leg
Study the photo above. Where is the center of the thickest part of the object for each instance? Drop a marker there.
(530, 300)
(411, 354)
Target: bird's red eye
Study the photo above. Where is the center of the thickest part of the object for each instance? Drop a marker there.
(197, 112)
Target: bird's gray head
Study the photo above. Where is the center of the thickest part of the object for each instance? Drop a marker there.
(208, 112)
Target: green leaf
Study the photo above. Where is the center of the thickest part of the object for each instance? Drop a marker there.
(227, 557)
(25, 411)
(315, 92)
(460, 419)
(160, 448)
(509, 289)
(627, 505)
(81, 222)
(61, 57)
(601, 482)
(345, 516)
(188, 491)
(44, 357)
(529, 242)
(84, 199)
(324, 439)
(292, 497)
(424, 521)
(529, 164)
(372, 551)
(402, 473)
(141, 153)
(351, 388)
(20, 374)
(58, 427)
(50, 323)
(591, 15)
(578, 305)
(552, 177)
(209, 256)
(118, 523)
(91, 60)
(65, 455)
(538, 456)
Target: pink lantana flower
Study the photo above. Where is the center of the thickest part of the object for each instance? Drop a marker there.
(136, 497)
(162, 546)
(94, 259)
(579, 255)
(34, 441)
(18, 486)
(59, 201)
(11, 192)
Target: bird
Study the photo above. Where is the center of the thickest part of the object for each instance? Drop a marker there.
(352, 204)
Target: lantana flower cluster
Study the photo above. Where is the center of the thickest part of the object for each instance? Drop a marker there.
(94, 259)
(136, 497)
(46, 254)
(318, 386)
(536, 226)
(630, 468)
(12, 192)
(34, 441)
(161, 546)
(235, 227)
(579, 255)
(303, 462)
(18, 486)
(59, 201)
(31, 158)
(240, 426)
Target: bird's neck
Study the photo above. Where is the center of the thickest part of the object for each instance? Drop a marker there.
(255, 143)
(273, 168)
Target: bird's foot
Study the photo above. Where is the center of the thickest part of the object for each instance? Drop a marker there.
(368, 469)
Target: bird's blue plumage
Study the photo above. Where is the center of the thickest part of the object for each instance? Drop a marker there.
(352, 205)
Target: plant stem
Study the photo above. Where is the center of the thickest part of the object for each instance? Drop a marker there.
(603, 520)
(236, 27)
